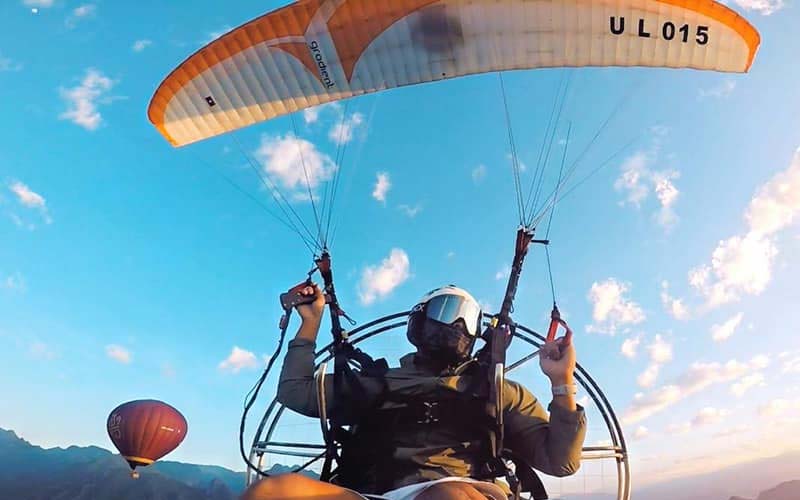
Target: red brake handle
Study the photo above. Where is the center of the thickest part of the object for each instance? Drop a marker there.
(555, 322)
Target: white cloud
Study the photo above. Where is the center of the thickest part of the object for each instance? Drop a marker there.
(7, 64)
(742, 264)
(294, 164)
(633, 180)
(648, 377)
(695, 379)
(644, 406)
(739, 265)
(40, 350)
(746, 383)
(660, 352)
(709, 416)
(29, 199)
(312, 114)
(380, 280)
(725, 330)
(520, 165)
(38, 3)
(776, 204)
(706, 416)
(343, 129)
(239, 359)
(681, 428)
(675, 307)
(765, 7)
(638, 179)
(760, 362)
(779, 407)
(26, 196)
(612, 310)
(478, 173)
(733, 431)
(503, 273)
(409, 210)
(630, 346)
(720, 91)
(342, 132)
(640, 433)
(84, 11)
(17, 220)
(13, 282)
(82, 101)
(382, 186)
(791, 364)
(667, 195)
(140, 45)
(213, 35)
(118, 354)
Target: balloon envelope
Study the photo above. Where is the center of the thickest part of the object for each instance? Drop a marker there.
(317, 51)
(145, 430)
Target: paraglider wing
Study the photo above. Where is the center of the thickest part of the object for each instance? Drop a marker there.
(145, 430)
(317, 51)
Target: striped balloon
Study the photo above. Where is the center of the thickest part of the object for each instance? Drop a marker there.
(145, 430)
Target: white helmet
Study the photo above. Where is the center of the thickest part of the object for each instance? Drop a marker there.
(448, 304)
(445, 324)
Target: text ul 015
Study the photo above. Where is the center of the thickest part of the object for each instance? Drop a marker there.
(668, 30)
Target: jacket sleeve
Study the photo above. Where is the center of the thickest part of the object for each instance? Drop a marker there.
(297, 387)
(551, 444)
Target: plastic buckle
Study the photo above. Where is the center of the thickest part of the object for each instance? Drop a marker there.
(431, 415)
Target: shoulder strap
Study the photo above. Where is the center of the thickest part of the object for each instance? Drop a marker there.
(345, 375)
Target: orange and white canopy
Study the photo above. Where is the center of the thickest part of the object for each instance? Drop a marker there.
(317, 51)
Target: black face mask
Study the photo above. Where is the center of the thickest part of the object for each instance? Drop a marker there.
(445, 344)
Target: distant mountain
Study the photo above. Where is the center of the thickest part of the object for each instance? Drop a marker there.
(744, 481)
(30, 472)
(201, 476)
(790, 490)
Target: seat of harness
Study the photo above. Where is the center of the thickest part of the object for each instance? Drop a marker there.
(444, 415)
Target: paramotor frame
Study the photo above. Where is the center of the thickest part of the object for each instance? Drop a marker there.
(263, 444)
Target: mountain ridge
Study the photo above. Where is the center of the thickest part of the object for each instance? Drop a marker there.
(94, 473)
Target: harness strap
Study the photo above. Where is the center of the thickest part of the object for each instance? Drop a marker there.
(345, 376)
(529, 481)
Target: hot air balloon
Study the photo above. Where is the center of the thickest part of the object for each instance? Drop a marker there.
(145, 430)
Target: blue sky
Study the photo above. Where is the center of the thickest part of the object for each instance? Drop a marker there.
(129, 269)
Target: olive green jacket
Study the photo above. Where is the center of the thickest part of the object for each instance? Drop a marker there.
(551, 445)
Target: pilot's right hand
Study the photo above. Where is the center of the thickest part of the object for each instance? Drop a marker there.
(312, 312)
